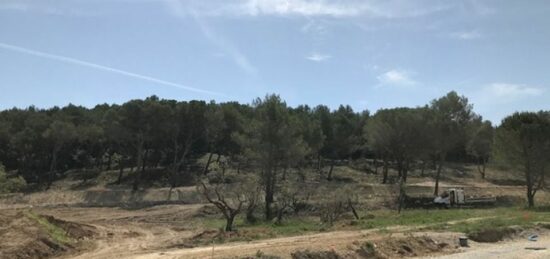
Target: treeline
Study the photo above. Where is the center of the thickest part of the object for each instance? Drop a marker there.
(266, 137)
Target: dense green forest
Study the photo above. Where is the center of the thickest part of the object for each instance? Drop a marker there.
(38, 146)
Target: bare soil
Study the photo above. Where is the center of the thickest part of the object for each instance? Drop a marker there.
(25, 237)
(111, 222)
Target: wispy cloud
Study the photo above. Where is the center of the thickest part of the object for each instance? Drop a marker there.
(498, 100)
(466, 35)
(506, 90)
(44, 8)
(317, 57)
(180, 10)
(396, 78)
(311, 8)
(501, 93)
(299, 7)
(79, 62)
(238, 57)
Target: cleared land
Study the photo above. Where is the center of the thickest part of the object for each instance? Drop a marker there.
(101, 221)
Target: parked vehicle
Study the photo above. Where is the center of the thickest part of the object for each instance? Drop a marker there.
(455, 198)
(451, 198)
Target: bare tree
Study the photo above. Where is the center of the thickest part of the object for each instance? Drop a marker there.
(337, 203)
(229, 198)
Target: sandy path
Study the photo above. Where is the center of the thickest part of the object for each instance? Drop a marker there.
(505, 250)
(152, 243)
(339, 241)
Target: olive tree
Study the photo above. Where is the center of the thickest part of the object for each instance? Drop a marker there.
(228, 192)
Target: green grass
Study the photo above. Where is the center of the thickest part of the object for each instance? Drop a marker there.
(388, 218)
(55, 232)
(289, 226)
(459, 220)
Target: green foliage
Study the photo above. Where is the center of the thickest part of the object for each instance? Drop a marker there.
(273, 141)
(481, 140)
(10, 184)
(268, 138)
(523, 142)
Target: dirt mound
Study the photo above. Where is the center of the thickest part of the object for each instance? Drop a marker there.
(494, 234)
(402, 247)
(24, 234)
(73, 230)
(306, 254)
(410, 246)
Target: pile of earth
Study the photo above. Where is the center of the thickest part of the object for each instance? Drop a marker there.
(24, 234)
(410, 246)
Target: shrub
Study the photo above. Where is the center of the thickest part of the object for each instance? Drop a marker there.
(10, 184)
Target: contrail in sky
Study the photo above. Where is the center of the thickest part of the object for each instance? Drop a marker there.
(104, 68)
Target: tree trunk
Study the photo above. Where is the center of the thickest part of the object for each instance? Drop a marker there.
(177, 163)
(120, 172)
(52, 167)
(280, 213)
(402, 194)
(329, 177)
(385, 172)
(406, 171)
(353, 209)
(530, 199)
(109, 161)
(319, 163)
(399, 169)
(423, 168)
(481, 168)
(229, 222)
(269, 193)
(437, 176)
(137, 174)
(205, 171)
(144, 163)
(268, 202)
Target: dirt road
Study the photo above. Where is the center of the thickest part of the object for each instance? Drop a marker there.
(339, 241)
(506, 250)
(164, 231)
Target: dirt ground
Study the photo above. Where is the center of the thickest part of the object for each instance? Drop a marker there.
(163, 232)
(523, 249)
(342, 242)
(138, 225)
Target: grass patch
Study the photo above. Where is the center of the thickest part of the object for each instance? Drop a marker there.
(418, 217)
(457, 220)
(262, 229)
(56, 233)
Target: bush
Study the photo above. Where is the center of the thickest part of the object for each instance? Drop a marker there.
(10, 184)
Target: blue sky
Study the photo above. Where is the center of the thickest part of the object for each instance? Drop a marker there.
(369, 54)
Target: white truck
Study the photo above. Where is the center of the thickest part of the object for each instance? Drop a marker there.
(455, 198)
